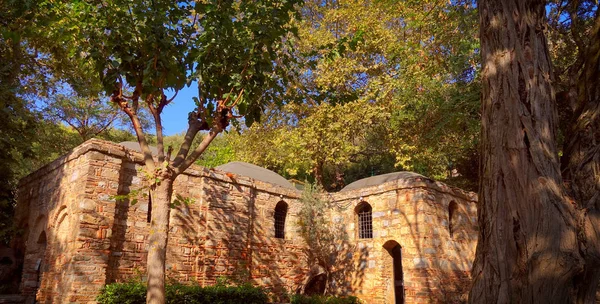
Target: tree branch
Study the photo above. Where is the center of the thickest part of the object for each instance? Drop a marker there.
(199, 150)
(575, 25)
(194, 126)
(158, 126)
(103, 128)
(137, 126)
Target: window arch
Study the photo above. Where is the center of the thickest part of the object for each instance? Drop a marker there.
(42, 238)
(280, 215)
(451, 218)
(365, 220)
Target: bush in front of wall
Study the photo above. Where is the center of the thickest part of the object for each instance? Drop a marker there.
(303, 299)
(135, 293)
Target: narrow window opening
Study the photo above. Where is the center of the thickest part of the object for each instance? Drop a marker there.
(365, 221)
(42, 238)
(149, 216)
(280, 215)
(451, 218)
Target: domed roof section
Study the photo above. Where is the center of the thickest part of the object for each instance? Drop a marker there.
(256, 172)
(380, 179)
(135, 146)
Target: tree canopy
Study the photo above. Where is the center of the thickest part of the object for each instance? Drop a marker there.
(384, 86)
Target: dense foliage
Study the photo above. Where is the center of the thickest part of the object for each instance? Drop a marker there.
(303, 299)
(384, 86)
(135, 293)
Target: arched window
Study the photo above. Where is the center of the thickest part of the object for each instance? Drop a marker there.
(42, 238)
(365, 220)
(280, 214)
(451, 218)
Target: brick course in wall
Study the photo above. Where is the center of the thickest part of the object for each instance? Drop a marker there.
(77, 237)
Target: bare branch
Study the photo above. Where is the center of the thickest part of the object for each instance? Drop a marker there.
(158, 127)
(198, 151)
(171, 99)
(193, 128)
(137, 126)
(574, 25)
(108, 124)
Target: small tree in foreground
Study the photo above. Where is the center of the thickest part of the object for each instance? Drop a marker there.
(153, 49)
(326, 239)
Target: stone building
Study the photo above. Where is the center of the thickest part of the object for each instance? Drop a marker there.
(409, 239)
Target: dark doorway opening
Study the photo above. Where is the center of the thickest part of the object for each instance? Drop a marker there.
(316, 285)
(395, 250)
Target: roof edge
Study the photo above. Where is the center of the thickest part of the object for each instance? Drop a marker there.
(417, 181)
(116, 150)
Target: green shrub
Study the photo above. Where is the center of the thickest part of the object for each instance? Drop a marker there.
(123, 293)
(135, 293)
(302, 299)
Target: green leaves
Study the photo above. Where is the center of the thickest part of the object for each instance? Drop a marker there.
(381, 86)
(230, 48)
(237, 53)
(181, 200)
(133, 195)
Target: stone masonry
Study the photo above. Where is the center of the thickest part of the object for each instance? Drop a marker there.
(77, 238)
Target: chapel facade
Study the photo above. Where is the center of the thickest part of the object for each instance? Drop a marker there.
(409, 239)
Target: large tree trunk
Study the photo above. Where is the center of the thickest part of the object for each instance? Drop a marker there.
(528, 247)
(581, 161)
(158, 238)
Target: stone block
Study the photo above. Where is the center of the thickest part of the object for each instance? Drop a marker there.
(93, 219)
(429, 251)
(87, 204)
(378, 214)
(420, 263)
(85, 232)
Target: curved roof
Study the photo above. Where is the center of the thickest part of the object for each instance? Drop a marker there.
(134, 145)
(256, 172)
(380, 179)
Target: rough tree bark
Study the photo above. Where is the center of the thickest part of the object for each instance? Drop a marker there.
(157, 240)
(529, 240)
(581, 157)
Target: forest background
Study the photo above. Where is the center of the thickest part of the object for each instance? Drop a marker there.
(377, 87)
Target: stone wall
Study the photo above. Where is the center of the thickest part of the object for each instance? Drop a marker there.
(414, 214)
(226, 229)
(54, 207)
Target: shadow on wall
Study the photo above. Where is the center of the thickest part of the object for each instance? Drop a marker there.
(119, 266)
(49, 274)
(228, 233)
(437, 251)
(415, 243)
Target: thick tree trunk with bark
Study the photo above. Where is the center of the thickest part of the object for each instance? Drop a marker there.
(159, 234)
(581, 160)
(528, 248)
